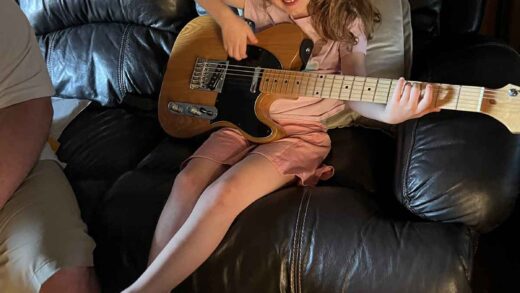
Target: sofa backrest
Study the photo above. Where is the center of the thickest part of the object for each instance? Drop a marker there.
(431, 18)
(91, 45)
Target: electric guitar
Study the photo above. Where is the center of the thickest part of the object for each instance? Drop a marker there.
(204, 89)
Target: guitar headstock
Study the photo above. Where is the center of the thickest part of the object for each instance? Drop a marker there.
(504, 105)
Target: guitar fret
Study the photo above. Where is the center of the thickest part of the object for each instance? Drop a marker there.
(319, 93)
(481, 99)
(278, 83)
(316, 80)
(357, 88)
(368, 89)
(281, 82)
(341, 88)
(351, 89)
(292, 82)
(446, 93)
(330, 84)
(385, 90)
(363, 88)
(312, 85)
(336, 87)
(435, 93)
(286, 82)
(375, 90)
(468, 99)
(299, 83)
(458, 98)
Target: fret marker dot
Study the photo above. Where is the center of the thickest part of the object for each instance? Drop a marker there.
(286, 81)
(317, 93)
(346, 87)
(321, 76)
(369, 89)
(297, 82)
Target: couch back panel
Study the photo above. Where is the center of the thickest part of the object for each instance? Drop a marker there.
(91, 47)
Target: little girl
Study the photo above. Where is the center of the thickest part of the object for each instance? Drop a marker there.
(228, 173)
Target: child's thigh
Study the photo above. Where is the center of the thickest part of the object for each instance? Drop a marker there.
(250, 179)
(199, 173)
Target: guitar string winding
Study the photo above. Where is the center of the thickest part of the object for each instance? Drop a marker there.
(471, 91)
(280, 72)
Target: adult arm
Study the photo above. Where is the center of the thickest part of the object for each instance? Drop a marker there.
(24, 129)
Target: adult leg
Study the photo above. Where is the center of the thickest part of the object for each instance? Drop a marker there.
(187, 188)
(76, 279)
(212, 215)
(43, 242)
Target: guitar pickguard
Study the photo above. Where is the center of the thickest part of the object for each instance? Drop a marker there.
(236, 101)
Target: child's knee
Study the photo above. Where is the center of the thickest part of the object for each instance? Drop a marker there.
(222, 195)
(187, 180)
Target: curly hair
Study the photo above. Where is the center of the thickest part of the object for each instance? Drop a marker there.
(333, 19)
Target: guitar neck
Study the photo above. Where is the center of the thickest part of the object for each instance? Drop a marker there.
(364, 89)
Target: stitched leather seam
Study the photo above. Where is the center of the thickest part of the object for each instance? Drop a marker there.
(467, 270)
(406, 166)
(293, 251)
(121, 60)
(302, 230)
(50, 59)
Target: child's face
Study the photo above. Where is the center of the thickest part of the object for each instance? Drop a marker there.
(295, 8)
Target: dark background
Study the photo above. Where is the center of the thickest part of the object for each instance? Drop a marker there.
(502, 20)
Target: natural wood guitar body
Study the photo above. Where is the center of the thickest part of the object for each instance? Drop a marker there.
(204, 89)
(201, 38)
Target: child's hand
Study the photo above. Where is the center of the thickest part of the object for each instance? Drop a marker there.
(406, 103)
(235, 35)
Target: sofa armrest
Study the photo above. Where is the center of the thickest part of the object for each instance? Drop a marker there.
(457, 166)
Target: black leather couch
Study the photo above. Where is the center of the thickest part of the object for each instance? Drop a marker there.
(401, 214)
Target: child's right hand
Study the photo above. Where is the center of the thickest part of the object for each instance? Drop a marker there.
(236, 34)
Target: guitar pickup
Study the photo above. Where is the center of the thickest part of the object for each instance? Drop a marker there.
(209, 75)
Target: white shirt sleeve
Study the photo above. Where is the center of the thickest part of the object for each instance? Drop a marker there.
(23, 73)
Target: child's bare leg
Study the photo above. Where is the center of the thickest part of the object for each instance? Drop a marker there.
(214, 212)
(187, 188)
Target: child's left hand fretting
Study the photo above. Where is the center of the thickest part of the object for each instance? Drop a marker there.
(406, 103)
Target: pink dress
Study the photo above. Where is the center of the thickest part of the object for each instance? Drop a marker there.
(302, 151)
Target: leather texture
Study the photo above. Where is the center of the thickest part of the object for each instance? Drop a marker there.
(401, 214)
(91, 46)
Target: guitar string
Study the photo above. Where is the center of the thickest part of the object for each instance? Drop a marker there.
(461, 106)
(495, 110)
(468, 92)
(281, 72)
(463, 103)
(473, 90)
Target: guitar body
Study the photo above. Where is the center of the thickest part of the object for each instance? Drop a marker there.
(203, 89)
(238, 103)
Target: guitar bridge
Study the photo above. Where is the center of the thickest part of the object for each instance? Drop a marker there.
(193, 110)
(209, 75)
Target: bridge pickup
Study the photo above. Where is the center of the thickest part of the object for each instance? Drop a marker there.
(193, 110)
(209, 75)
